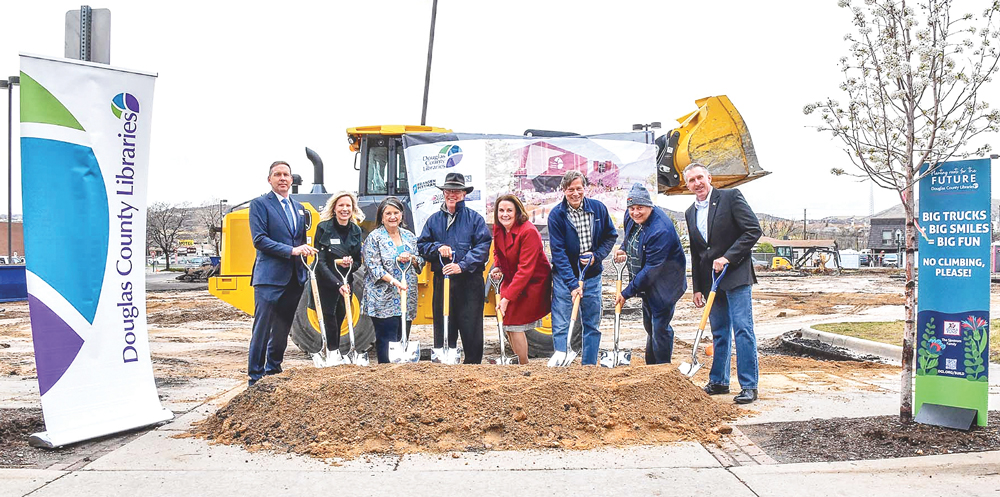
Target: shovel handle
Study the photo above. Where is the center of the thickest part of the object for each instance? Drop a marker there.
(618, 290)
(576, 307)
(402, 303)
(447, 295)
(348, 312)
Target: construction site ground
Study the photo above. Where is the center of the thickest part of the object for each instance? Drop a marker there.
(820, 427)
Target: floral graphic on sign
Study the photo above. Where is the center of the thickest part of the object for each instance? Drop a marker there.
(929, 351)
(977, 335)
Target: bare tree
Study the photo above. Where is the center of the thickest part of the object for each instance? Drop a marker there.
(775, 227)
(210, 215)
(912, 79)
(164, 222)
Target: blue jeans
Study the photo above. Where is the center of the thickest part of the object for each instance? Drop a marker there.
(732, 316)
(590, 316)
(659, 333)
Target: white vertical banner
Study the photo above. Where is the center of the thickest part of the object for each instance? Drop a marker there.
(85, 133)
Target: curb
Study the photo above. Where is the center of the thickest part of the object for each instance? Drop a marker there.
(891, 353)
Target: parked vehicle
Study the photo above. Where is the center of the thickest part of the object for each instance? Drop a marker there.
(891, 260)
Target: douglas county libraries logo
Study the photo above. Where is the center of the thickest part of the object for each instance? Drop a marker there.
(449, 156)
(124, 102)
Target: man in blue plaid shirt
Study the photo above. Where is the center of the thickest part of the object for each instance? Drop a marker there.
(579, 227)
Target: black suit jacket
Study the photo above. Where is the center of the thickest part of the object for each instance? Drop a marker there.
(733, 230)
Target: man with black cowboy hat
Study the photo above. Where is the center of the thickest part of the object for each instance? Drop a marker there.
(460, 236)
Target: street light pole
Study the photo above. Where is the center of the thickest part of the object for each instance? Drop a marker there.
(646, 127)
(9, 84)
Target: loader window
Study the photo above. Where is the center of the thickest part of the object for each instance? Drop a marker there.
(402, 185)
(377, 169)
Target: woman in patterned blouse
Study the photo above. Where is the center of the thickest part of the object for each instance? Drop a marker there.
(385, 245)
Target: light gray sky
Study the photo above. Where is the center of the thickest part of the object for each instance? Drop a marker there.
(242, 85)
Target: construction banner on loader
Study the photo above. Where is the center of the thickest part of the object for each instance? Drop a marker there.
(530, 167)
(85, 132)
(953, 312)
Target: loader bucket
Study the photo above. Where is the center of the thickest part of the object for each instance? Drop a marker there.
(716, 136)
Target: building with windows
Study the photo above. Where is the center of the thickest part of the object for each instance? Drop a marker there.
(887, 230)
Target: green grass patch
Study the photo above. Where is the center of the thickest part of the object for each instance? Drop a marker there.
(891, 332)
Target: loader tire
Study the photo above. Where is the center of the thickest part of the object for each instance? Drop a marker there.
(540, 340)
(305, 327)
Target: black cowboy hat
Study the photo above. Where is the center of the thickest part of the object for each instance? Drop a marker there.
(455, 181)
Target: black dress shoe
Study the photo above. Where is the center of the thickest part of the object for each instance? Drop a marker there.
(716, 389)
(746, 396)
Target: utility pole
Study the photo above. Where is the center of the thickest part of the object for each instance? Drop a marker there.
(427, 74)
(803, 224)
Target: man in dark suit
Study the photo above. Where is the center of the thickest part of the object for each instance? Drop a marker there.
(278, 228)
(723, 230)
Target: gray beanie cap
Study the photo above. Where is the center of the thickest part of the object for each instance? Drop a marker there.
(638, 195)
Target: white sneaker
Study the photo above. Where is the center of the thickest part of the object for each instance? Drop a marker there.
(333, 358)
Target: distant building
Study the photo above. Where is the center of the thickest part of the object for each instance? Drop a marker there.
(17, 238)
(887, 230)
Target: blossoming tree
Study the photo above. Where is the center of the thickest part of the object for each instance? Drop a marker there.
(913, 79)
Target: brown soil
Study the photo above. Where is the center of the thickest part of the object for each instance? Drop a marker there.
(876, 437)
(829, 303)
(345, 412)
(16, 426)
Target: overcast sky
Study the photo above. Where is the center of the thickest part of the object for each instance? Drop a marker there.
(240, 87)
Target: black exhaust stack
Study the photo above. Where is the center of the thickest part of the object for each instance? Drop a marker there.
(317, 171)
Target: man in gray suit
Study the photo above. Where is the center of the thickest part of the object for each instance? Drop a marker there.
(278, 228)
(723, 230)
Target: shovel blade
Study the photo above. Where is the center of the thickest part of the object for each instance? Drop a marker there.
(505, 360)
(688, 369)
(611, 358)
(562, 359)
(447, 356)
(557, 359)
(318, 360)
(399, 354)
(357, 358)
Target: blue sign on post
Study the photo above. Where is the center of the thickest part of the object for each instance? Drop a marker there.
(953, 312)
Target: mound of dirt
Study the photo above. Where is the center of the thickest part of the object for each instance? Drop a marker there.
(345, 412)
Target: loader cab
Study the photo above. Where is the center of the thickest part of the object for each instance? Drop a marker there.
(381, 167)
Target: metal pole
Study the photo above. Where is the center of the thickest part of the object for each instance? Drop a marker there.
(10, 168)
(86, 21)
(427, 75)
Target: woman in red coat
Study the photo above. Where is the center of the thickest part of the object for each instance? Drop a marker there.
(526, 290)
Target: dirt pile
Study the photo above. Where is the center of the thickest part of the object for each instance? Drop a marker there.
(346, 411)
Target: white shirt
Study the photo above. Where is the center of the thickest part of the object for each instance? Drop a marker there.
(701, 214)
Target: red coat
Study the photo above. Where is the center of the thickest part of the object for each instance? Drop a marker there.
(527, 274)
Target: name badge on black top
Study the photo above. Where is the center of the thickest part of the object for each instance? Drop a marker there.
(335, 241)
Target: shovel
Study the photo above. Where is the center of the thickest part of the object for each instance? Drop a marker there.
(563, 359)
(685, 368)
(503, 359)
(353, 356)
(319, 358)
(405, 350)
(613, 358)
(446, 355)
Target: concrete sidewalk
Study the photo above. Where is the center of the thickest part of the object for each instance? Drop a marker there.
(157, 465)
